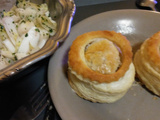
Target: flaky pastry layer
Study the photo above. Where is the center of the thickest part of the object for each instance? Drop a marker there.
(101, 92)
(147, 63)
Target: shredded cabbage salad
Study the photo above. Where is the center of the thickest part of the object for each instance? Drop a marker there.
(24, 30)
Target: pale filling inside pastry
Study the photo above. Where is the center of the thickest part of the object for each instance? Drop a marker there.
(102, 56)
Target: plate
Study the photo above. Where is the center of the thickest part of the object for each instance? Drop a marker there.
(138, 103)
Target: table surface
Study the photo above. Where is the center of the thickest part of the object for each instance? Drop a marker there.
(13, 94)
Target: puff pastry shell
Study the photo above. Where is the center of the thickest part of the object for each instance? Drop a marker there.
(100, 67)
(147, 63)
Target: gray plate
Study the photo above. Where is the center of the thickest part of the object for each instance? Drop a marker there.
(138, 103)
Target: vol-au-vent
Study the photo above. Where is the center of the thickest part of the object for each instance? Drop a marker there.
(100, 67)
(147, 63)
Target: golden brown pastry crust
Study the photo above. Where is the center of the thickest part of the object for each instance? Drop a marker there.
(77, 61)
(104, 84)
(147, 63)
